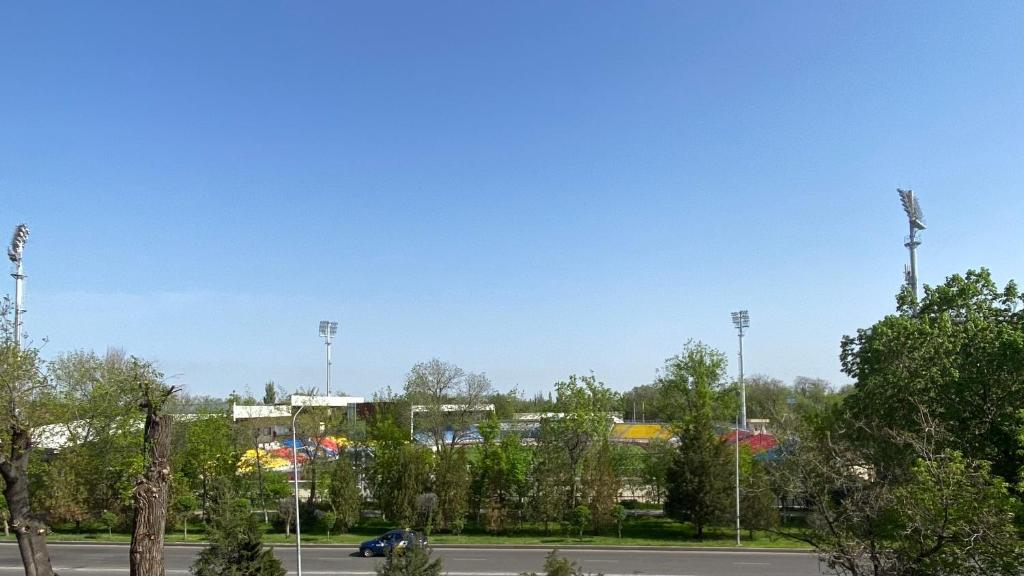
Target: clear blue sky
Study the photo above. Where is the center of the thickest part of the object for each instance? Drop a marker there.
(526, 189)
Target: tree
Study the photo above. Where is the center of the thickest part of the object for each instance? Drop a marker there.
(312, 427)
(767, 397)
(555, 565)
(108, 520)
(551, 474)
(205, 452)
(959, 354)
(236, 543)
(758, 510)
(698, 479)
(499, 476)
(146, 555)
(658, 461)
(641, 404)
(451, 404)
(185, 505)
(619, 513)
(413, 560)
(399, 474)
(586, 406)
(581, 518)
(946, 515)
(329, 520)
(94, 416)
(602, 480)
(345, 496)
(24, 395)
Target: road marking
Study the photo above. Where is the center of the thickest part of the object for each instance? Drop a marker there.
(108, 570)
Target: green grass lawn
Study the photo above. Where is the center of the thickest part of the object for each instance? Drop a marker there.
(637, 532)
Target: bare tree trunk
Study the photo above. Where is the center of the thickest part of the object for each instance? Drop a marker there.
(146, 557)
(29, 529)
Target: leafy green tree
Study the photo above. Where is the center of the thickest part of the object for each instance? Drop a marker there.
(205, 453)
(586, 407)
(184, 506)
(399, 474)
(581, 518)
(640, 404)
(959, 354)
(602, 480)
(24, 404)
(758, 501)
(413, 560)
(659, 457)
(328, 521)
(451, 403)
(236, 542)
(698, 479)
(551, 476)
(947, 515)
(767, 397)
(500, 472)
(346, 499)
(94, 412)
(108, 520)
(555, 565)
(619, 513)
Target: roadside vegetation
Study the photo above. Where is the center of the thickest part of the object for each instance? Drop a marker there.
(916, 468)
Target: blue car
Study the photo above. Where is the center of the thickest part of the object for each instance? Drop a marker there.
(391, 541)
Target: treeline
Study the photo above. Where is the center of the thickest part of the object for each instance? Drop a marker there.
(915, 469)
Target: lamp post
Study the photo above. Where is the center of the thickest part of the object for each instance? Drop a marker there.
(737, 482)
(915, 217)
(301, 402)
(741, 320)
(328, 330)
(14, 252)
(295, 478)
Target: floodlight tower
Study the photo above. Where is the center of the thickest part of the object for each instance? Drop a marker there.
(328, 330)
(14, 252)
(741, 320)
(916, 218)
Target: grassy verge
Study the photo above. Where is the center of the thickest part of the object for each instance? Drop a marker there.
(640, 532)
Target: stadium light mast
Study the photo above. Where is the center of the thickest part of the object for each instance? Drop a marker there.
(741, 320)
(916, 219)
(14, 252)
(328, 330)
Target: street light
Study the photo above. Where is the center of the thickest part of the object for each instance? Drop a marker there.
(14, 252)
(328, 330)
(915, 217)
(302, 402)
(738, 482)
(741, 320)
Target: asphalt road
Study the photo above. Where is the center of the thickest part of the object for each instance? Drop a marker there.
(112, 559)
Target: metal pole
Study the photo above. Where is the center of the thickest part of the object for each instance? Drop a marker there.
(259, 477)
(295, 477)
(743, 388)
(912, 244)
(737, 483)
(18, 296)
(328, 364)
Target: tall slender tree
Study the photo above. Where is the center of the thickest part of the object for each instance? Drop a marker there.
(698, 487)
